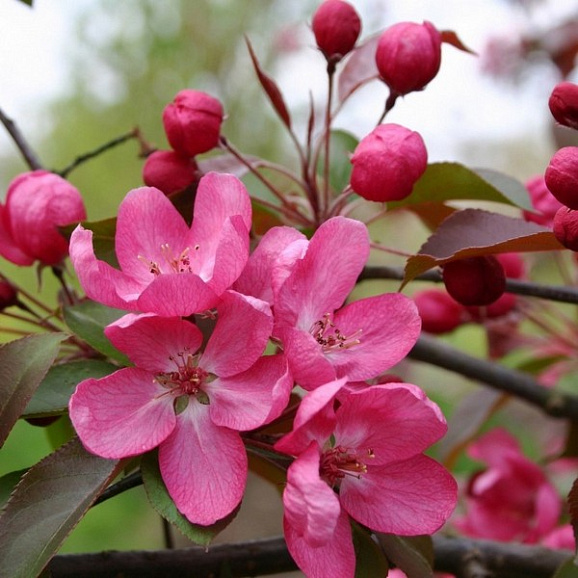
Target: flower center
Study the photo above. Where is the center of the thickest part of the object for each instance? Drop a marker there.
(170, 263)
(338, 462)
(188, 379)
(330, 337)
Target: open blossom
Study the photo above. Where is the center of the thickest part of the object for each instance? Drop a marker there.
(190, 404)
(370, 451)
(166, 267)
(323, 339)
(511, 499)
(37, 203)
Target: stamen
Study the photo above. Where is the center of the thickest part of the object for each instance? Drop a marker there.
(330, 337)
(338, 462)
(180, 264)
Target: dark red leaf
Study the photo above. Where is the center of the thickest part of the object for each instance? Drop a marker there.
(473, 232)
(359, 69)
(573, 508)
(271, 88)
(450, 37)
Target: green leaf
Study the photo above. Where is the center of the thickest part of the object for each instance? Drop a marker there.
(27, 2)
(341, 146)
(413, 555)
(23, 365)
(453, 181)
(474, 232)
(7, 484)
(263, 218)
(51, 397)
(369, 559)
(161, 501)
(47, 504)
(88, 320)
(568, 570)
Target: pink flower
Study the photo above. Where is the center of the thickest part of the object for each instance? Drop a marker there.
(169, 172)
(193, 122)
(511, 499)
(166, 267)
(336, 26)
(387, 163)
(37, 203)
(323, 339)
(370, 450)
(190, 404)
(409, 56)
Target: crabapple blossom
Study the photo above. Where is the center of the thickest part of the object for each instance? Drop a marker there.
(511, 499)
(370, 451)
(191, 404)
(323, 339)
(37, 203)
(169, 172)
(542, 200)
(408, 56)
(166, 267)
(387, 163)
(563, 104)
(336, 26)
(561, 176)
(193, 122)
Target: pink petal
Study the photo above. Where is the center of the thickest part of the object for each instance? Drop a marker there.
(124, 414)
(219, 197)
(245, 401)
(240, 336)
(495, 447)
(408, 498)
(309, 366)
(204, 466)
(177, 295)
(335, 558)
(315, 419)
(388, 327)
(390, 420)
(146, 222)
(223, 267)
(100, 281)
(152, 342)
(311, 506)
(322, 280)
(255, 279)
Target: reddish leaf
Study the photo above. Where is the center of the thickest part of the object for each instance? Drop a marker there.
(474, 232)
(263, 218)
(359, 69)
(47, 504)
(450, 37)
(412, 554)
(271, 88)
(227, 164)
(432, 214)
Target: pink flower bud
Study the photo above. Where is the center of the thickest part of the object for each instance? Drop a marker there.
(408, 56)
(37, 203)
(566, 228)
(500, 307)
(336, 26)
(169, 172)
(475, 280)
(563, 104)
(438, 311)
(542, 200)
(387, 163)
(561, 176)
(193, 122)
(513, 264)
(8, 295)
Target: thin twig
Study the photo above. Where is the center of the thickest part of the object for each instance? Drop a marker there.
(127, 483)
(19, 140)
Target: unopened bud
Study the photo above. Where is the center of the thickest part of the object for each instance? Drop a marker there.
(438, 311)
(336, 26)
(408, 56)
(193, 122)
(169, 172)
(566, 228)
(475, 280)
(561, 176)
(563, 104)
(387, 163)
(8, 295)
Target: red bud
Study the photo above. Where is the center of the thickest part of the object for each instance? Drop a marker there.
(563, 104)
(438, 311)
(566, 228)
(561, 176)
(336, 26)
(169, 171)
